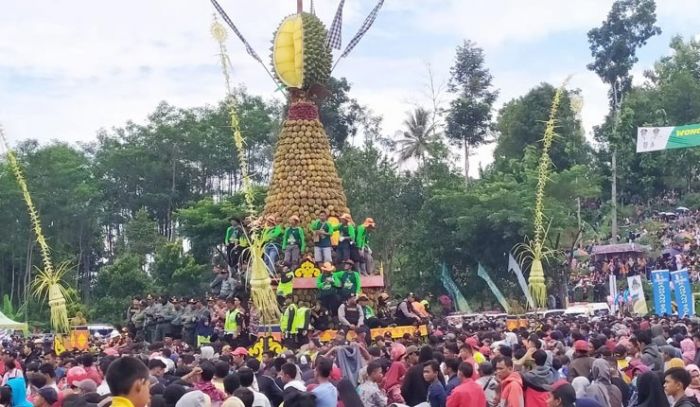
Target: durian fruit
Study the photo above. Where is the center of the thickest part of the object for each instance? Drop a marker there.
(300, 56)
(304, 178)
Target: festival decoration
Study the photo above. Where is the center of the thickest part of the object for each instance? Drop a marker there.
(258, 274)
(300, 56)
(535, 250)
(49, 281)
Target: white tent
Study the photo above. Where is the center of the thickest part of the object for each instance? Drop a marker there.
(7, 323)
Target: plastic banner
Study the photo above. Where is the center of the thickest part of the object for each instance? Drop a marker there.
(639, 303)
(666, 138)
(684, 293)
(661, 287)
(461, 304)
(513, 265)
(494, 289)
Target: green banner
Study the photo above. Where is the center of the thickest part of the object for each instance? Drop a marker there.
(496, 292)
(667, 138)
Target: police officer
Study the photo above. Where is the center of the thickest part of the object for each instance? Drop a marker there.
(164, 316)
(149, 325)
(137, 321)
(177, 322)
(189, 322)
(234, 323)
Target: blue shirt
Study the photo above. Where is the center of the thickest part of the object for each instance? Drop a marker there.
(436, 394)
(451, 384)
(326, 395)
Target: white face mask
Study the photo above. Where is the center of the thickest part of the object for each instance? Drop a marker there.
(634, 381)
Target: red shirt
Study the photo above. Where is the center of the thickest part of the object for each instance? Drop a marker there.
(467, 394)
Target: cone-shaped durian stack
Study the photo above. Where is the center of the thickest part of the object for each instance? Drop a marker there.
(304, 178)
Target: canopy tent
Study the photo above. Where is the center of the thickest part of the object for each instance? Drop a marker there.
(7, 323)
(621, 248)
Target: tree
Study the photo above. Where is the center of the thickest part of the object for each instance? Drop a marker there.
(340, 113)
(469, 116)
(115, 286)
(521, 123)
(614, 45)
(178, 273)
(418, 137)
(141, 235)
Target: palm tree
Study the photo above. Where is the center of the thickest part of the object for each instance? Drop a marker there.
(418, 137)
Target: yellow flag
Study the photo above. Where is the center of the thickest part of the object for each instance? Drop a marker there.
(58, 345)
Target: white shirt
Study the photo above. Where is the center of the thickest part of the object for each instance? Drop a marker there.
(259, 399)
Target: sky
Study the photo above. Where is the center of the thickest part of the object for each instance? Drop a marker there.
(69, 68)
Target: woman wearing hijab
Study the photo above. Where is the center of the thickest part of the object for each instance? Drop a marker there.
(601, 390)
(394, 376)
(580, 385)
(688, 351)
(650, 391)
(693, 391)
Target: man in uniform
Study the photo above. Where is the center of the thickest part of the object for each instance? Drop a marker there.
(293, 243)
(286, 284)
(362, 245)
(234, 322)
(204, 328)
(287, 325)
(150, 318)
(164, 316)
(133, 308)
(138, 318)
(177, 322)
(189, 322)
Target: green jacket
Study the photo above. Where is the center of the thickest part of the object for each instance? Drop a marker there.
(351, 283)
(234, 235)
(347, 231)
(318, 225)
(323, 284)
(298, 235)
(362, 237)
(273, 234)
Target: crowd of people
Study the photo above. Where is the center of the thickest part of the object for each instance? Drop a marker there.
(554, 362)
(677, 234)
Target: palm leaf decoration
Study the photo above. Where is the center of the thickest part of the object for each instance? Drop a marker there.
(49, 282)
(535, 250)
(264, 298)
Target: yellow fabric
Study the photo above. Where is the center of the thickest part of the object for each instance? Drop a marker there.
(288, 51)
(675, 362)
(121, 402)
(479, 358)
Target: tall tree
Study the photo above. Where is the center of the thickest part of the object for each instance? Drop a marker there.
(614, 45)
(418, 139)
(469, 116)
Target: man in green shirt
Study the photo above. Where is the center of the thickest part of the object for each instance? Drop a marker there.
(366, 265)
(293, 243)
(347, 280)
(322, 230)
(347, 237)
(234, 233)
(272, 235)
(327, 288)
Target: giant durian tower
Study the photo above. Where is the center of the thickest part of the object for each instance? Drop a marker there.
(304, 178)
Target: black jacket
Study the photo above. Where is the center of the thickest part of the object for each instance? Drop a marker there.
(414, 388)
(268, 387)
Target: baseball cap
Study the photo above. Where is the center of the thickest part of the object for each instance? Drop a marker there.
(472, 342)
(75, 374)
(240, 351)
(411, 349)
(581, 345)
(86, 385)
(48, 394)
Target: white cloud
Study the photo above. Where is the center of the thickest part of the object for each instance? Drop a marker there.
(74, 66)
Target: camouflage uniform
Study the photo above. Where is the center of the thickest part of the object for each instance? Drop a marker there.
(164, 316)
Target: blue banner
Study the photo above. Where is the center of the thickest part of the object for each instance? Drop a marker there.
(684, 293)
(661, 286)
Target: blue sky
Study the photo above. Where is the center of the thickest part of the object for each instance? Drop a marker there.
(71, 67)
